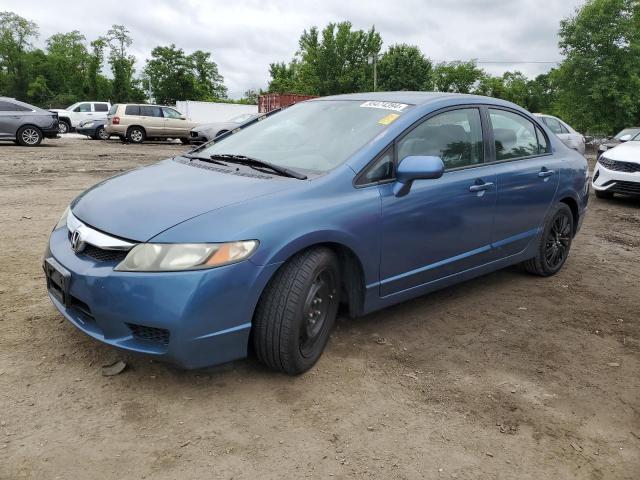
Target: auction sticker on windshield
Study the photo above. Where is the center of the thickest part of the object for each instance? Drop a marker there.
(397, 107)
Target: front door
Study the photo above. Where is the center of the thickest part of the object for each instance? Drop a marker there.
(443, 226)
(175, 125)
(528, 176)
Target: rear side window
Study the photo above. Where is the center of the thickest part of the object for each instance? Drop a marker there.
(554, 125)
(100, 107)
(454, 136)
(150, 111)
(12, 107)
(543, 143)
(514, 135)
(132, 110)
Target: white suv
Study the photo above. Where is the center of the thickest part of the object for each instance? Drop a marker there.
(77, 113)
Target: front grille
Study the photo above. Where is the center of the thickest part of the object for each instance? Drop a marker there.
(157, 335)
(627, 188)
(103, 255)
(618, 166)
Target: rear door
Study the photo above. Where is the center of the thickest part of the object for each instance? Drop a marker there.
(11, 118)
(527, 178)
(152, 121)
(175, 125)
(100, 110)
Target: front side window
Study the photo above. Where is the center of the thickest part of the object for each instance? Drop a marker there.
(171, 113)
(381, 170)
(150, 111)
(83, 108)
(454, 136)
(314, 136)
(514, 135)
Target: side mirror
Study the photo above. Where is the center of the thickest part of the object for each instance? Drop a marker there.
(416, 168)
(625, 138)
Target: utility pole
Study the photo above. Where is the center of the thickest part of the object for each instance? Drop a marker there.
(373, 59)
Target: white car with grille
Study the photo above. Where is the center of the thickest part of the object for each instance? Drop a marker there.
(618, 170)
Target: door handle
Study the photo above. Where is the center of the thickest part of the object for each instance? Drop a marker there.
(545, 173)
(481, 187)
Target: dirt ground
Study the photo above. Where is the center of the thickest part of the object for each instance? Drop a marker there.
(506, 376)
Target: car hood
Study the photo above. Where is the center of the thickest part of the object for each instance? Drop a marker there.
(625, 152)
(140, 204)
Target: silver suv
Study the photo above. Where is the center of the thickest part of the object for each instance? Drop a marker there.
(26, 124)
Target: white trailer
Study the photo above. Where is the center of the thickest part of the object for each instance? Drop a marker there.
(212, 112)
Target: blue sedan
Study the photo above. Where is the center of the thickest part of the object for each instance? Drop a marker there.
(252, 242)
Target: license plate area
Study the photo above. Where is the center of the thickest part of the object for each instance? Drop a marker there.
(58, 280)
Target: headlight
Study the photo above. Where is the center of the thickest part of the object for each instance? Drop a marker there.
(169, 257)
(63, 219)
(603, 148)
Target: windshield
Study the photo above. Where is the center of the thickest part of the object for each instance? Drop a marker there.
(71, 107)
(241, 118)
(312, 136)
(628, 131)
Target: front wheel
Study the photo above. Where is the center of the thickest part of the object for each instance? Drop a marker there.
(29, 136)
(63, 127)
(297, 311)
(554, 244)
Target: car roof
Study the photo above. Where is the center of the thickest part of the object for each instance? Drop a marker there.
(412, 98)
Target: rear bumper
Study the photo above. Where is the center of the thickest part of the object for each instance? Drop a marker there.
(192, 319)
(51, 132)
(115, 129)
(616, 181)
(86, 131)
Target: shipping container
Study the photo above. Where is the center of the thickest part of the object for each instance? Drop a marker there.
(271, 101)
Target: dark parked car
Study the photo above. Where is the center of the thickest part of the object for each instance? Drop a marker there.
(621, 137)
(26, 124)
(93, 129)
(252, 242)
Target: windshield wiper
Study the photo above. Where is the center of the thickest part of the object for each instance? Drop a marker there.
(256, 162)
(204, 159)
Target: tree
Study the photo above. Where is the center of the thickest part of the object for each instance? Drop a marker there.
(599, 79)
(457, 77)
(16, 34)
(250, 97)
(209, 84)
(97, 86)
(403, 67)
(329, 62)
(119, 40)
(67, 60)
(176, 76)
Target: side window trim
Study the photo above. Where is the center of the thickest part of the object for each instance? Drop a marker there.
(362, 175)
(536, 124)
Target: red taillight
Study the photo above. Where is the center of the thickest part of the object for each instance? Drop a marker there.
(115, 121)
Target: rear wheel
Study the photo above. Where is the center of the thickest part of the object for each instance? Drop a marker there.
(554, 244)
(604, 194)
(101, 134)
(29, 136)
(136, 135)
(64, 126)
(297, 311)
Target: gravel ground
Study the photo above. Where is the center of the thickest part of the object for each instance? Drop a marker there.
(505, 376)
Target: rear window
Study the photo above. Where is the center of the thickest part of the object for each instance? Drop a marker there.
(132, 110)
(100, 107)
(113, 109)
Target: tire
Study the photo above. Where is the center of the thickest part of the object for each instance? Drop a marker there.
(297, 310)
(29, 136)
(604, 194)
(185, 141)
(101, 134)
(554, 243)
(63, 127)
(136, 135)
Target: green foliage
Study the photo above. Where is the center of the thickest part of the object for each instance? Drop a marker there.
(119, 40)
(16, 34)
(458, 77)
(403, 67)
(329, 62)
(176, 76)
(599, 80)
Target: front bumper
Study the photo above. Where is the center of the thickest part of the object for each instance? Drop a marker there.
(197, 138)
(88, 131)
(605, 179)
(192, 319)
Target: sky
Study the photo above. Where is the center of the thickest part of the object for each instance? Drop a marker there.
(245, 36)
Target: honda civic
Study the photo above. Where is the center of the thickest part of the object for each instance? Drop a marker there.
(252, 243)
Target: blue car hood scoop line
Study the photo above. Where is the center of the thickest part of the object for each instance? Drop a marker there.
(142, 203)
